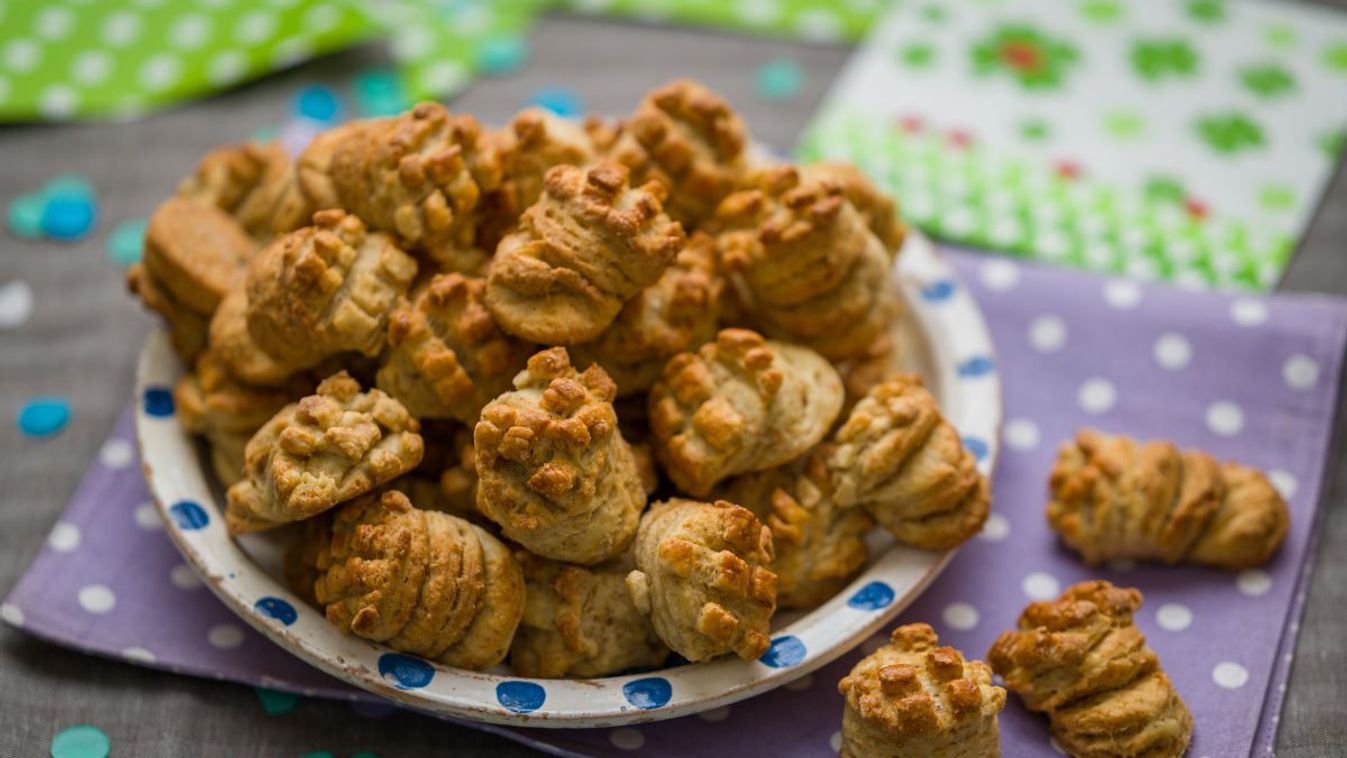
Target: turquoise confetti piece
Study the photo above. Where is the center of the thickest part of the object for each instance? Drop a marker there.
(266, 133)
(126, 244)
(81, 741)
(562, 101)
(379, 92)
(275, 702)
(44, 416)
(318, 103)
(68, 216)
(779, 79)
(502, 55)
(25, 215)
(69, 184)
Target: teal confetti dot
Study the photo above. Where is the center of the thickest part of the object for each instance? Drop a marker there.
(502, 55)
(127, 242)
(69, 184)
(379, 92)
(318, 103)
(265, 133)
(25, 215)
(275, 702)
(44, 416)
(81, 741)
(562, 101)
(779, 79)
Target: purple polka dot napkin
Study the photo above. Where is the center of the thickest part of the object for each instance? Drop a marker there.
(1250, 379)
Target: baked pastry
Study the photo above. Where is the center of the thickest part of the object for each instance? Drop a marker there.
(899, 458)
(553, 470)
(458, 478)
(446, 358)
(423, 582)
(676, 314)
(879, 209)
(326, 289)
(701, 576)
(255, 183)
(913, 697)
(1116, 497)
(1081, 660)
(313, 168)
(327, 448)
(234, 347)
(587, 246)
(581, 622)
(689, 139)
(804, 264)
(818, 546)
(421, 176)
(740, 404)
(535, 141)
(194, 254)
(300, 563)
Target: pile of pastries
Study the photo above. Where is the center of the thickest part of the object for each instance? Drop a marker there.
(582, 395)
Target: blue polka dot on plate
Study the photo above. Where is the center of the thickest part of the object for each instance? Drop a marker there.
(938, 291)
(648, 693)
(275, 608)
(81, 741)
(779, 79)
(520, 696)
(501, 55)
(872, 597)
(44, 416)
(159, 402)
(126, 244)
(786, 650)
(562, 101)
(977, 446)
(404, 671)
(976, 366)
(189, 515)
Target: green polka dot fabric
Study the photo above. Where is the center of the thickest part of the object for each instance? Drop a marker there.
(821, 21)
(1188, 142)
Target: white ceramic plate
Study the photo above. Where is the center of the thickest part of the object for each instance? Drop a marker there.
(944, 338)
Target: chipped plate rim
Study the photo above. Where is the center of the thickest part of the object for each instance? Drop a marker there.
(963, 375)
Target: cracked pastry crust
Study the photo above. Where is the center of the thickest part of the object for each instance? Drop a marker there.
(676, 314)
(535, 141)
(587, 246)
(446, 357)
(879, 209)
(423, 582)
(327, 448)
(422, 176)
(553, 470)
(701, 575)
(1081, 660)
(1116, 497)
(194, 255)
(914, 697)
(581, 622)
(326, 289)
(899, 458)
(804, 264)
(818, 546)
(256, 183)
(689, 139)
(232, 343)
(740, 404)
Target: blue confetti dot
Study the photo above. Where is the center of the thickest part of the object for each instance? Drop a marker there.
(979, 365)
(977, 446)
(562, 101)
(786, 651)
(68, 216)
(936, 292)
(275, 702)
(521, 697)
(126, 244)
(159, 402)
(188, 515)
(25, 215)
(81, 741)
(44, 416)
(501, 55)
(276, 608)
(779, 79)
(872, 597)
(404, 671)
(648, 693)
(318, 103)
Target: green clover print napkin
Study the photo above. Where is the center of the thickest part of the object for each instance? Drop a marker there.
(1185, 140)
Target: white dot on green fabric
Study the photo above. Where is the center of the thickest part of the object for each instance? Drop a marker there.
(413, 43)
(758, 12)
(58, 102)
(190, 31)
(290, 51)
(160, 71)
(227, 67)
(255, 27)
(443, 77)
(91, 67)
(54, 23)
(818, 25)
(80, 741)
(22, 55)
(121, 28)
(320, 18)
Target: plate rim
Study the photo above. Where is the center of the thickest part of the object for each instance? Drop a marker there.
(935, 297)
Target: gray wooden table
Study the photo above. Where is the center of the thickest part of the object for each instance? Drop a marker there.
(85, 333)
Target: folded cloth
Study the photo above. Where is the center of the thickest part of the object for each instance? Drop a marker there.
(1252, 379)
